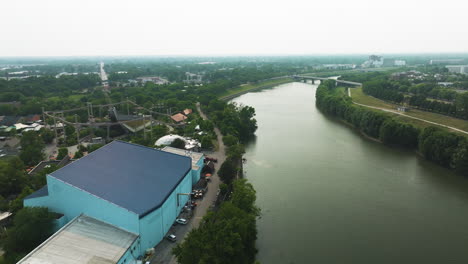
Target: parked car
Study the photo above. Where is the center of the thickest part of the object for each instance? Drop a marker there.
(211, 159)
(171, 238)
(181, 221)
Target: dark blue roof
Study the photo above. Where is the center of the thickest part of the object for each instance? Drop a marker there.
(39, 193)
(131, 176)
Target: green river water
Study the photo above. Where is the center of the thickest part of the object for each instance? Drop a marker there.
(329, 195)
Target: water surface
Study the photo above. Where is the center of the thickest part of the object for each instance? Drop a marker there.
(329, 195)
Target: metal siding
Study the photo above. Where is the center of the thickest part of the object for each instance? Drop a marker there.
(42, 201)
(154, 226)
(72, 202)
(197, 173)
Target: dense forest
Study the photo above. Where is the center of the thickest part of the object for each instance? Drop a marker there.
(440, 146)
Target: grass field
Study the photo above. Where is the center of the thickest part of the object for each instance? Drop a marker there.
(245, 88)
(359, 97)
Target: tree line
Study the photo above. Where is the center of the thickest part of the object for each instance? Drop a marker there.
(425, 96)
(435, 144)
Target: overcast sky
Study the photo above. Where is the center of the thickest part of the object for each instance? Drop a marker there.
(236, 27)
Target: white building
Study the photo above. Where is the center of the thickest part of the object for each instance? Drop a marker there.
(399, 63)
(462, 69)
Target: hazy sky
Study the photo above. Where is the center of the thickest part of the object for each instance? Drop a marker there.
(236, 27)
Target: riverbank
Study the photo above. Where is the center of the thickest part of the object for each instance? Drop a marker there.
(243, 89)
(436, 144)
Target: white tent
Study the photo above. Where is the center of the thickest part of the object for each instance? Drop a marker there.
(168, 139)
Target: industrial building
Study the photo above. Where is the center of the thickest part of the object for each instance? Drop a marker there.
(135, 189)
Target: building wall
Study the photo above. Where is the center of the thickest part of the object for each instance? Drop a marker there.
(72, 202)
(37, 202)
(131, 255)
(154, 226)
(197, 173)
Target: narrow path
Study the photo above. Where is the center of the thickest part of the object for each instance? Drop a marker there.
(163, 251)
(399, 113)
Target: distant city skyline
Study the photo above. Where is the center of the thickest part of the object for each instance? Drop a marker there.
(240, 28)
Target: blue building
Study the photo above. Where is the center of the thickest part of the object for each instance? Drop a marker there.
(134, 188)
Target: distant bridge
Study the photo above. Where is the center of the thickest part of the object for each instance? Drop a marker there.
(314, 78)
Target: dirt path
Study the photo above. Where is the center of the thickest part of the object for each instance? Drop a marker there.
(163, 250)
(402, 114)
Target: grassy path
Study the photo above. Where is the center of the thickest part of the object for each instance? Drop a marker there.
(416, 117)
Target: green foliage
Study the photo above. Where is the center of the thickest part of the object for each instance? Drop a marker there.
(31, 226)
(437, 145)
(230, 140)
(78, 155)
(228, 171)
(94, 147)
(62, 152)
(12, 176)
(17, 204)
(236, 151)
(206, 142)
(159, 131)
(244, 196)
(233, 119)
(47, 135)
(31, 148)
(225, 236)
(397, 133)
(384, 90)
(40, 179)
(178, 143)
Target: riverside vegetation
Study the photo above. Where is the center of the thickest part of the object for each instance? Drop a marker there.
(435, 144)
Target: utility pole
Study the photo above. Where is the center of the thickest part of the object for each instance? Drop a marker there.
(64, 132)
(77, 128)
(43, 117)
(144, 127)
(128, 109)
(55, 128)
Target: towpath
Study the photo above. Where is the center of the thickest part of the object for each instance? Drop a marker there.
(412, 117)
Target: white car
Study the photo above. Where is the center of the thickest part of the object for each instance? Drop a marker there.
(171, 238)
(181, 221)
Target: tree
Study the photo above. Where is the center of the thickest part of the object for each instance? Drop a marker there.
(78, 155)
(62, 152)
(236, 151)
(226, 235)
(31, 226)
(17, 204)
(47, 135)
(31, 148)
(228, 171)
(230, 140)
(178, 143)
(12, 177)
(244, 196)
(206, 142)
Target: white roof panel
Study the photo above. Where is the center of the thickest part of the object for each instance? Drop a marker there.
(83, 240)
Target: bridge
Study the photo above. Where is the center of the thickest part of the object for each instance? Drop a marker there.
(314, 78)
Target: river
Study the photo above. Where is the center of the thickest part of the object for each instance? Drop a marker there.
(330, 195)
